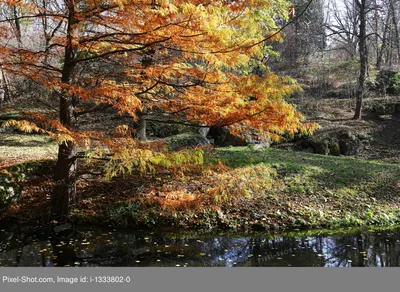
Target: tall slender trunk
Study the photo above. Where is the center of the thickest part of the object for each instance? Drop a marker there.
(376, 30)
(66, 167)
(2, 91)
(17, 26)
(384, 42)
(396, 30)
(5, 86)
(363, 59)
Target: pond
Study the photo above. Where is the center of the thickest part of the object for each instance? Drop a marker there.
(94, 246)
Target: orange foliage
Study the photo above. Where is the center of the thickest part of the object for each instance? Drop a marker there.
(174, 56)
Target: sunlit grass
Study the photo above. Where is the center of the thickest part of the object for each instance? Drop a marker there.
(15, 148)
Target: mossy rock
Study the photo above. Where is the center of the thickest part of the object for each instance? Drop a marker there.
(186, 140)
(335, 149)
(161, 130)
(335, 142)
(397, 108)
(389, 81)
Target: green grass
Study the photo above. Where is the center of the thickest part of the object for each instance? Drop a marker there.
(335, 172)
(318, 190)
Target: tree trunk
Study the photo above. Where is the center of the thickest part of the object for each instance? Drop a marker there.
(396, 30)
(1, 97)
(66, 167)
(384, 42)
(5, 86)
(363, 59)
(141, 131)
(2, 91)
(65, 179)
(17, 26)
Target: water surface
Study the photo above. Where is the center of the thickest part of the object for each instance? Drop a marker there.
(94, 246)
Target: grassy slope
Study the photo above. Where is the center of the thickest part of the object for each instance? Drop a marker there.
(271, 189)
(317, 190)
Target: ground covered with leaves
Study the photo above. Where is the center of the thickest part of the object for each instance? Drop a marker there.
(236, 188)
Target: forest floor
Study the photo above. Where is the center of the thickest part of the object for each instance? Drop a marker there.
(235, 188)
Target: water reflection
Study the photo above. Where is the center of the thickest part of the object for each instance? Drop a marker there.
(109, 247)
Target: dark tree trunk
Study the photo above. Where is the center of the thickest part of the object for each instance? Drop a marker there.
(396, 30)
(66, 167)
(17, 25)
(65, 179)
(384, 43)
(363, 58)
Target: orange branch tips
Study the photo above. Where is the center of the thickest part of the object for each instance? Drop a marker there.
(191, 58)
(292, 12)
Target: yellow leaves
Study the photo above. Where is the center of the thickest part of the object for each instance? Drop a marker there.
(274, 36)
(129, 158)
(63, 138)
(231, 184)
(24, 126)
(122, 130)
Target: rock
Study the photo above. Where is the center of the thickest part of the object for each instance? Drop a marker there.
(222, 137)
(388, 81)
(259, 146)
(335, 142)
(203, 131)
(185, 140)
(397, 108)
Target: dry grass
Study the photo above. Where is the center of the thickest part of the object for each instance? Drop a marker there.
(17, 148)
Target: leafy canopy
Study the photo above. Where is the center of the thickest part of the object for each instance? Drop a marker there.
(185, 57)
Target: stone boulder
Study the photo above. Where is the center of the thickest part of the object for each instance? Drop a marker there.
(222, 137)
(186, 140)
(335, 142)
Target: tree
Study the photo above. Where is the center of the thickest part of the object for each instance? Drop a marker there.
(363, 52)
(173, 56)
(348, 29)
(307, 37)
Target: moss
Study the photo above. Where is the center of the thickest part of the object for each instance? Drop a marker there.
(335, 149)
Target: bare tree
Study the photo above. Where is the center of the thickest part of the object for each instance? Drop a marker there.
(363, 53)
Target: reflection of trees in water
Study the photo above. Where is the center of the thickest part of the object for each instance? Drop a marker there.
(372, 249)
(103, 248)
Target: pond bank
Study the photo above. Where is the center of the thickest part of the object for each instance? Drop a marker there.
(237, 188)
